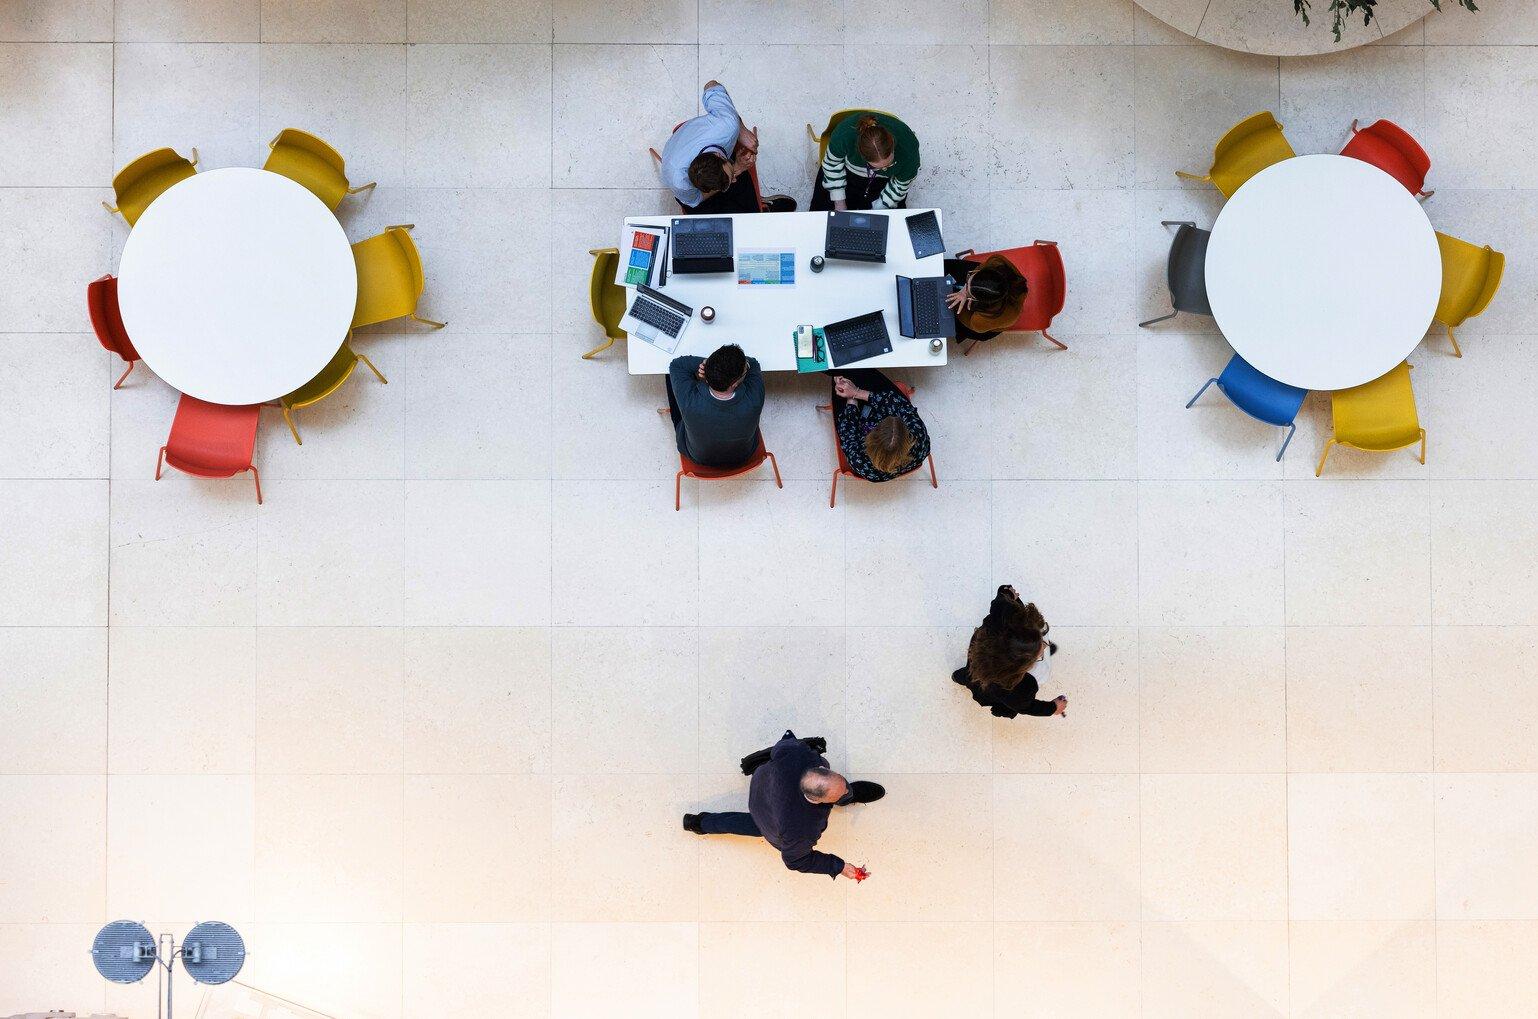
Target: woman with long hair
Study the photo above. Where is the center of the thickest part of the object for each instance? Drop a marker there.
(871, 161)
(990, 296)
(1008, 656)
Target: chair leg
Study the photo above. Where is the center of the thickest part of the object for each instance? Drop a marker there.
(833, 497)
(811, 132)
(598, 350)
(257, 477)
(427, 321)
(1423, 195)
(194, 156)
(113, 209)
(377, 374)
(160, 462)
(655, 154)
(1353, 125)
(967, 350)
(1292, 429)
(934, 479)
(1457, 351)
(1199, 393)
(1060, 344)
(1161, 318)
(1176, 222)
(776, 465)
(402, 226)
(1323, 456)
(1423, 447)
(290, 419)
(678, 491)
(1205, 178)
(363, 187)
(119, 383)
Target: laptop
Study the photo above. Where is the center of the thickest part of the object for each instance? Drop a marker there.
(656, 318)
(855, 339)
(921, 309)
(924, 232)
(856, 236)
(702, 244)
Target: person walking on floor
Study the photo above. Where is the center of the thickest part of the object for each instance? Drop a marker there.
(789, 800)
(1008, 657)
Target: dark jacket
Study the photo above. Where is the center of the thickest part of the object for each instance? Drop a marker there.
(712, 432)
(1001, 651)
(788, 821)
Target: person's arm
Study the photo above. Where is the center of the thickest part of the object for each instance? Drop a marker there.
(726, 125)
(894, 194)
(806, 860)
(835, 166)
(683, 372)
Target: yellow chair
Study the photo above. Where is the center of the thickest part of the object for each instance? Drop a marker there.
(606, 297)
(390, 280)
(1248, 148)
(146, 179)
(327, 382)
(1378, 416)
(834, 121)
(1470, 277)
(308, 160)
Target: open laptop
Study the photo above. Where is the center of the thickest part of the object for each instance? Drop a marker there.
(921, 309)
(855, 339)
(702, 244)
(856, 236)
(656, 318)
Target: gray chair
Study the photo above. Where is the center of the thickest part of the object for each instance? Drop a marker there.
(1187, 271)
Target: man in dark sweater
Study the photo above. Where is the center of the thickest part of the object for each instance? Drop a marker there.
(789, 800)
(715, 403)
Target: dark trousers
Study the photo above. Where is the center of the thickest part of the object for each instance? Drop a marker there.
(732, 822)
(871, 379)
(958, 269)
(859, 192)
(740, 197)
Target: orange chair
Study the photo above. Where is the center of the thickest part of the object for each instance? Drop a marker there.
(1042, 266)
(107, 320)
(211, 440)
(688, 468)
(1390, 148)
(843, 464)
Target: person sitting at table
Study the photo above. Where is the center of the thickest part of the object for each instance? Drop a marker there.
(879, 430)
(715, 403)
(1007, 658)
(871, 161)
(706, 162)
(989, 299)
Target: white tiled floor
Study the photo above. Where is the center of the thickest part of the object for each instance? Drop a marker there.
(423, 725)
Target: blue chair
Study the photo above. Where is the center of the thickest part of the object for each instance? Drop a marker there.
(1260, 396)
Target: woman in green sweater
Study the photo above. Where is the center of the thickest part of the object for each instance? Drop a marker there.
(871, 161)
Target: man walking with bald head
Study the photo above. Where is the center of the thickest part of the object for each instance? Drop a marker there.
(789, 800)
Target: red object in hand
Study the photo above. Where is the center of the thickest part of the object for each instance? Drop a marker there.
(860, 874)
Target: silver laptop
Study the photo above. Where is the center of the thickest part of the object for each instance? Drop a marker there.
(656, 318)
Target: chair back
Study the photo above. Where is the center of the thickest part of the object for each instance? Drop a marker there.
(1379, 415)
(211, 440)
(1250, 146)
(1470, 277)
(314, 145)
(833, 122)
(106, 319)
(1188, 270)
(413, 259)
(606, 297)
(1259, 395)
(145, 166)
(1391, 149)
(147, 178)
(326, 382)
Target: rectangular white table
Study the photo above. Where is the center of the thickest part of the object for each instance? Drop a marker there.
(762, 319)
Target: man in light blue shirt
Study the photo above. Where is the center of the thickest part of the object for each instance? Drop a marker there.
(707, 161)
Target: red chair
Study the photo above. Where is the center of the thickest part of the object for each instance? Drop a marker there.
(101, 299)
(843, 463)
(1390, 148)
(687, 467)
(211, 440)
(1042, 266)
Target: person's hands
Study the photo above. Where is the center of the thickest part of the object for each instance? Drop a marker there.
(699, 372)
(712, 83)
(960, 300)
(841, 205)
(844, 388)
(1062, 705)
(854, 873)
(748, 139)
(1012, 592)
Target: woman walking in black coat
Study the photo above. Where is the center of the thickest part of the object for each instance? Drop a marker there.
(1008, 654)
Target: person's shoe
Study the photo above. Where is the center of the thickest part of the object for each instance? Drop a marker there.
(961, 676)
(866, 792)
(779, 203)
(692, 823)
(817, 743)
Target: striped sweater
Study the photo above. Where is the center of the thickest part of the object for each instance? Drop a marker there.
(843, 159)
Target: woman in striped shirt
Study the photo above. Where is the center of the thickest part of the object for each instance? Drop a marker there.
(871, 161)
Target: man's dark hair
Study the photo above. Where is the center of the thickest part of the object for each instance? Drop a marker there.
(708, 173)
(724, 367)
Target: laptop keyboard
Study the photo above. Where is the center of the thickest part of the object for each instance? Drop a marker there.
(657, 316)
(859, 338)
(705, 244)
(855, 241)
(926, 305)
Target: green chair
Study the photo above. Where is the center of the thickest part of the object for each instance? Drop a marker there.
(1470, 277)
(327, 382)
(607, 297)
(146, 179)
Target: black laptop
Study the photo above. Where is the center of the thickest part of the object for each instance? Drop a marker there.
(921, 309)
(702, 244)
(924, 232)
(856, 236)
(855, 339)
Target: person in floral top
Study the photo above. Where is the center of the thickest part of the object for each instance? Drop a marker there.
(879, 430)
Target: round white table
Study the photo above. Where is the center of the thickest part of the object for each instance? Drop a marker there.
(1323, 272)
(237, 286)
